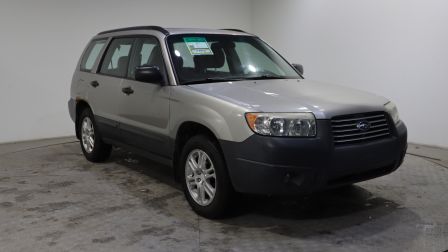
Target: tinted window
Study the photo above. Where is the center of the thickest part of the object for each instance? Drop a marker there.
(117, 57)
(91, 54)
(147, 52)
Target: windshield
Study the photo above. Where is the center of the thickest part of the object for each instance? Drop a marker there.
(201, 58)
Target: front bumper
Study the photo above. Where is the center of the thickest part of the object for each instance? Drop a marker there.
(278, 165)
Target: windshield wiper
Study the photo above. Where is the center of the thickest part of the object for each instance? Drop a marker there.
(211, 79)
(265, 77)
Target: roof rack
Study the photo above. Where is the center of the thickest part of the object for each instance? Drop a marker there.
(151, 27)
(236, 30)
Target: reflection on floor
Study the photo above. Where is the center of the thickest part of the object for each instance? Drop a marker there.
(52, 199)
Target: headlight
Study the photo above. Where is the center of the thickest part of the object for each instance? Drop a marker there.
(393, 111)
(282, 124)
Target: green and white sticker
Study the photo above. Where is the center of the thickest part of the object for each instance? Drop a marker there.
(198, 46)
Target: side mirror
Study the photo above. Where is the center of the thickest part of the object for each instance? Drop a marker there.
(148, 74)
(298, 67)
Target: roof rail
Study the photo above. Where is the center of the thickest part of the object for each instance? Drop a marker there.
(151, 27)
(237, 30)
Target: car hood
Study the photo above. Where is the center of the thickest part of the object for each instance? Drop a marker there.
(292, 95)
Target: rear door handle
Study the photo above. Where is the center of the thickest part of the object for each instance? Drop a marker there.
(94, 84)
(127, 90)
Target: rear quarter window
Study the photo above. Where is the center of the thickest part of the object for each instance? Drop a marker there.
(91, 55)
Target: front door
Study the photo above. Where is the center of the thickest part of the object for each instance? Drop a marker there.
(145, 106)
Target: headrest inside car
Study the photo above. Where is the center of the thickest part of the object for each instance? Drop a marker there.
(202, 62)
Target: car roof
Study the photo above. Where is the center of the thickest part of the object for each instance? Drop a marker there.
(207, 31)
(170, 31)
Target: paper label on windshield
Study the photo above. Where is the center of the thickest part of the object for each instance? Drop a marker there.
(198, 46)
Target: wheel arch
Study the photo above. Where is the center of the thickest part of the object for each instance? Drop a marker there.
(185, 131)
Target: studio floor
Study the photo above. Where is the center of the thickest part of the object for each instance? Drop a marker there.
(52, 199)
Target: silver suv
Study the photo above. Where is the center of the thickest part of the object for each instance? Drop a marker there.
(229, 114)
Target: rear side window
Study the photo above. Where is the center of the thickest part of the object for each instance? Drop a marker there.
(116, 61)
(91, 54)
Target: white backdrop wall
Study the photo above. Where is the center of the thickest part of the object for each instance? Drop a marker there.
(41, 41)
(396, 48)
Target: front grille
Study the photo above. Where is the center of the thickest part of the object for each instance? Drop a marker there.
(360, 127)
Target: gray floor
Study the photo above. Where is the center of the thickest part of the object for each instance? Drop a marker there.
(52, 199)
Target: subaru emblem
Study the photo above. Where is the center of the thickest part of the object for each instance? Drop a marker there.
(363, 125)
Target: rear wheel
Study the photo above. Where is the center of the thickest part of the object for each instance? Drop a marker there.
(206, 183)
(93, 147)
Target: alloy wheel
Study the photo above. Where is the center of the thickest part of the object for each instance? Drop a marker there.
(87, 135)
(200, 177)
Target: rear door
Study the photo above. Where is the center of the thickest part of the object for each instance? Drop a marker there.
(106, 86)
(87, 69)
(145, 109)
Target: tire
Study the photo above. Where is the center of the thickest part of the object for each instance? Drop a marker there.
(212, 175)
(93, 147)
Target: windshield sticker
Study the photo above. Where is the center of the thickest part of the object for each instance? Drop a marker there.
(198, 46)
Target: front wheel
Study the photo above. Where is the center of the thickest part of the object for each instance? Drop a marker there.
(206, 183)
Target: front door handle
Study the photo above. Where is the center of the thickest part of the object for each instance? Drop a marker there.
(127, 90)
(94, 84)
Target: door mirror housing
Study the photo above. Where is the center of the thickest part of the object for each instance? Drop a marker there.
(148, 74)
(298, 67)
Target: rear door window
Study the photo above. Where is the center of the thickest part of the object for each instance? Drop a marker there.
(91, 54)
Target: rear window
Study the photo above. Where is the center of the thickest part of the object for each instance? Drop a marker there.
(91, 54)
